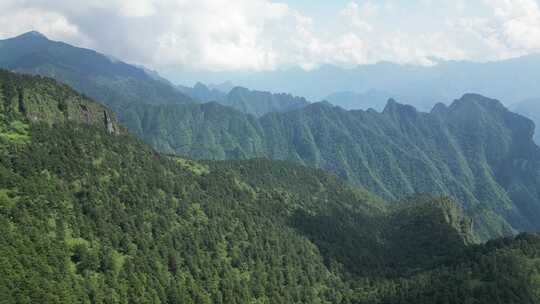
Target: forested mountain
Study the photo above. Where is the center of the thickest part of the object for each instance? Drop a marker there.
(260, 103)
(203, 131)
(474, 150)
(113, 82)
(93, 216)
(120, 85)
(44, 100)
(247, 101)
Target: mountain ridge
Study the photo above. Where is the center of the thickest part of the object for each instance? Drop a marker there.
(253, 102)
(90, 216)
(393, 153)
(113, 82)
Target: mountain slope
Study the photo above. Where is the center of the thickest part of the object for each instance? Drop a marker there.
(45, 100)
(204, 131)
(475, 150)
(121, 86)
(89, 216)
(113, 82)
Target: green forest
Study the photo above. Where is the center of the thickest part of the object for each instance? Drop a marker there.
(475, 150)
(90, 214)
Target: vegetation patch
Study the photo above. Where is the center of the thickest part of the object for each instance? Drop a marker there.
(193, 166)
(16, 132)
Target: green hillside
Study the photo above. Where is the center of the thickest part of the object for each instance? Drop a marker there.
(92, 216)
(475, 150)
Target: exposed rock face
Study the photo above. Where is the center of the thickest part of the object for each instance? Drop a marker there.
(109, 124)
(42, 99)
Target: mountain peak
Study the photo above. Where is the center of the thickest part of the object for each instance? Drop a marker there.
(238, 92)
(200, 86)
(469, 101)
(439, 108)
(32, 35)
(392, 106)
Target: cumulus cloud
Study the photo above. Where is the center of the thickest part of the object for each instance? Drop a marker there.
(264, 35)
(513, 27)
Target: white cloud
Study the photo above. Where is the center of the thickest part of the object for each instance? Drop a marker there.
(262, 35)
(50, 23)
(356, 15)
(512, 28)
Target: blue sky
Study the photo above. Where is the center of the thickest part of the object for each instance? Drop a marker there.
(256, 35)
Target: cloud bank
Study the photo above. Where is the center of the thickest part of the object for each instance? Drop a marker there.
(230, 35)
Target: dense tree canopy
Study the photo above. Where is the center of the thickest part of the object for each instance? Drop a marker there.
(91, 216)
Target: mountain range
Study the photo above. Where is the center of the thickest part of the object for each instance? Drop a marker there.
(90, 214)
(511, 80)
(474, 150)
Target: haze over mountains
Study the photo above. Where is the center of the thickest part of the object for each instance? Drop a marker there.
(511, 80)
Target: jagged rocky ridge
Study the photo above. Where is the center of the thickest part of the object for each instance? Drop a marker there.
(247, 101)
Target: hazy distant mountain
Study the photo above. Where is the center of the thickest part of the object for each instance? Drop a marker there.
(107, 79)
(509, 80)
(224, 87)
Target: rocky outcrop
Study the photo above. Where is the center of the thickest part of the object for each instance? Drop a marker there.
(41, 99)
